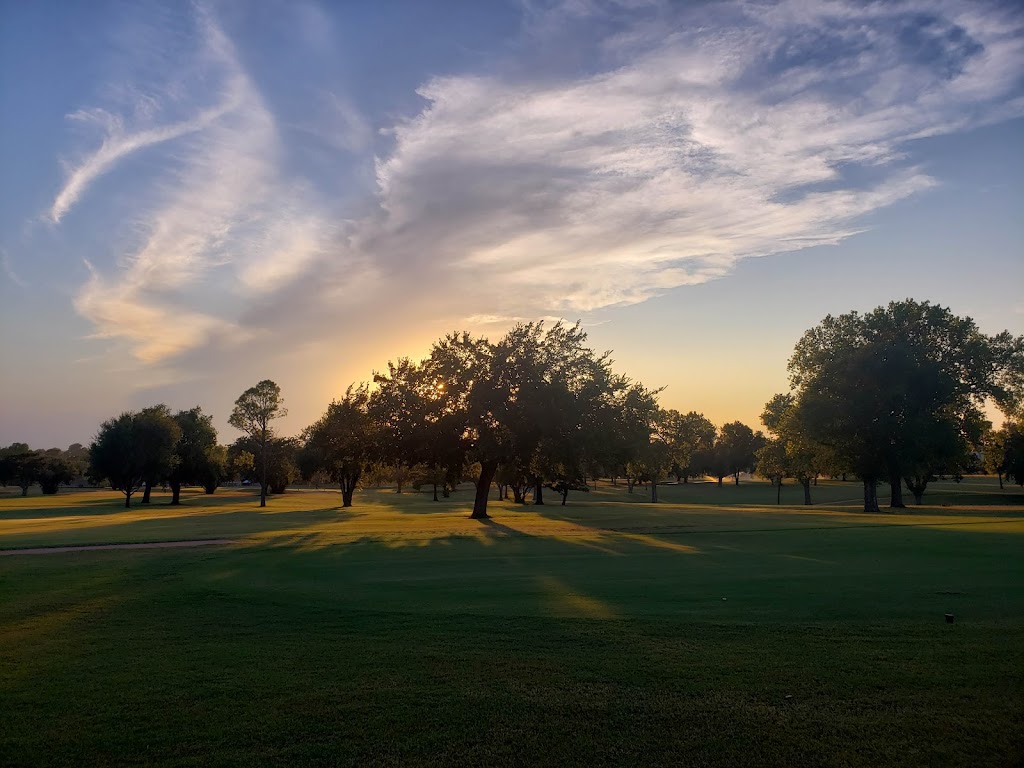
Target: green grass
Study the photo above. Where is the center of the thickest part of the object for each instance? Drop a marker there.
(399, 632)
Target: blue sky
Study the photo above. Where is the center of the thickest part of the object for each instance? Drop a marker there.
(197, 196)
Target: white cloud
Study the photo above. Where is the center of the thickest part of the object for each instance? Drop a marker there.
(117, 145)
(155, 330)
(226, 223)
(705, 147)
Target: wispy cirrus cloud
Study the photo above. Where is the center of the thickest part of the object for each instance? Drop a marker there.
(117, 144)
(223, 213)
(8, 270)
(744, 130)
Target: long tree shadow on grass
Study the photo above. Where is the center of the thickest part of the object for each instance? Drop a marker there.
(170, 524)
(70, 502)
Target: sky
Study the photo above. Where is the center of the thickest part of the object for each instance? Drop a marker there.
(196, 196)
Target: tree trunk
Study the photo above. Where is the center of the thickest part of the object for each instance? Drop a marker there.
(815, 482)
(483, 485)
(917, 486)
(806, 483)
(654, 491)
(778, 492)
(175, 494)
(686, 479)
(263, 469)
(896, 492)
(348, 487)
(518, 496)
(736, 477)
(127, 499)
(146, 491)
(871, 496)
(24, 490)
(720, 479)
(435, 491)
(565, 495)
(629, 484)
(1000, 481)
(538, 494)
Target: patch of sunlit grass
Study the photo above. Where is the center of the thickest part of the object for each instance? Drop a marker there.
(313, 519)
(567, 601)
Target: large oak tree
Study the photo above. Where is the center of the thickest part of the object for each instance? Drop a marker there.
(879, 389)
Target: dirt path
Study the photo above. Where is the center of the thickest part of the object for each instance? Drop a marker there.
(90, 547)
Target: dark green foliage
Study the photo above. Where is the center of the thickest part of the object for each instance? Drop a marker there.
(792, 452)
(50, 468)
(637, 449)
(77, 456)
(538, 402)
(282, 461)
(156, 429)
(19, 465)
(896, 393)
(342, 443)
(687, 435)
(52, 471)
(733, 451)
(199, 460)
(134, 448)
(1004, 453)
(254, 410)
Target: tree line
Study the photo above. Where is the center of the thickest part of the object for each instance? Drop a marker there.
(891, 397)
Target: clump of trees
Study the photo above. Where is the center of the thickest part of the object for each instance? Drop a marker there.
(1004, 452)
(23, 467)
(536, 410)
(892, 396)
(140, 449)
(343, 443)
(198, 459)
(789, 451)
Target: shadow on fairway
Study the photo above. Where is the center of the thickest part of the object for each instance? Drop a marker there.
(166, 523)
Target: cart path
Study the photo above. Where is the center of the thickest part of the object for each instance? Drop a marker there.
(91, 547)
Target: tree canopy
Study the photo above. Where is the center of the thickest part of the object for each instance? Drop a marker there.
(131, 448)
(198, 458)
(897, 392)
(343, 442)
(254, 410)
